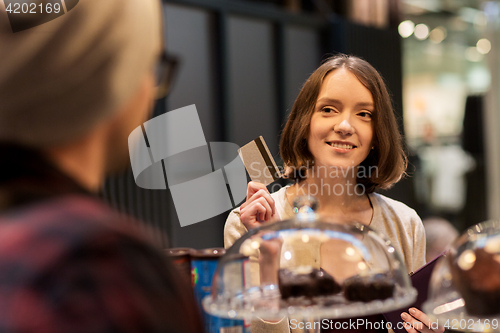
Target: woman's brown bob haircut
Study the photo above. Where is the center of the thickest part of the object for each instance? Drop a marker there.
(387, 161)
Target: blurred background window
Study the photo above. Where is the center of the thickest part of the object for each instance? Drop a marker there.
(446, 80)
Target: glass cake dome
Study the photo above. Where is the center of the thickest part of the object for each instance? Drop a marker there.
(306, 267)
(464, 290)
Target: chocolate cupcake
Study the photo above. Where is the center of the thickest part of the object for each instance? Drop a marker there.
(306, 281)
(476, 275)
(366, 288)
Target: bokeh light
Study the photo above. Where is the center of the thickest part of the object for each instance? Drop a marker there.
(473, 55)
(421, 31)
(483, 46)
(406, 28)
(438, 34)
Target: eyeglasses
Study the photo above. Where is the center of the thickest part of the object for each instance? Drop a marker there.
(165, 73)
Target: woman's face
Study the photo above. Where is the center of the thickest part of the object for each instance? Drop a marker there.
(340, 132)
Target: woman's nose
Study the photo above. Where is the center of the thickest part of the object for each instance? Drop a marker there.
(344, 127)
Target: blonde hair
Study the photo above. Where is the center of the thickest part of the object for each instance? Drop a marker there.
(61, 78)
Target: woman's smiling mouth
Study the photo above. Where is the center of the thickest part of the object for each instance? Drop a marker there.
(342, 145)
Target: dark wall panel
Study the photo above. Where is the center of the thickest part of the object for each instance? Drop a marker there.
(302, 57)
(252, 82)
(190, 36)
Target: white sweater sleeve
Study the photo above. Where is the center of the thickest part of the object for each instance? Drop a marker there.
(233, 229)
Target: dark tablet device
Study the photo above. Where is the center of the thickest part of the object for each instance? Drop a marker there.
(420, 280)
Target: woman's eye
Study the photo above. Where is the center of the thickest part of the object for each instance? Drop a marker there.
(327, 109)
(365, 114)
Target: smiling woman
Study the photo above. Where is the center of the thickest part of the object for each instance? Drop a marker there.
(368, 91)
(340, 144)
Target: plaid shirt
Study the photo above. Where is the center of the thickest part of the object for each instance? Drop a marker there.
(68, 263)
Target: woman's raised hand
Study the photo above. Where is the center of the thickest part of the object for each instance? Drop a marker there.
(259, 206)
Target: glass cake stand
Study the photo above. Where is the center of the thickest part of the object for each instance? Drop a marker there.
(308, 268)
(464, 290)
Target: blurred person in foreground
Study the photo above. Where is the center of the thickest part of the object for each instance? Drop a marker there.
(439, 233)
(71, 91)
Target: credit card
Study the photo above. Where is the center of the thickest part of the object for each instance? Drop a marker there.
(259, 162)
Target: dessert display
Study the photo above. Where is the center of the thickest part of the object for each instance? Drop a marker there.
(464, 289)
(476, 275)
(306, 281)
(366, 288)
(309, 267)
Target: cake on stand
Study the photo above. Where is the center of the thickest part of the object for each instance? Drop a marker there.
(308, 268)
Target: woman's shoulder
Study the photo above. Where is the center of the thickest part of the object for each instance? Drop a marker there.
(403, 226)
(391, 208)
